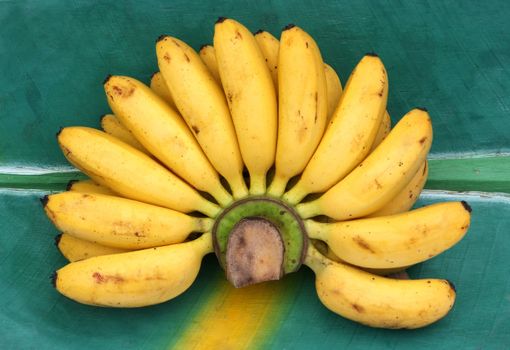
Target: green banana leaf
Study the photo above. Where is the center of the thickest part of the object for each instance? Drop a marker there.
(451, 58)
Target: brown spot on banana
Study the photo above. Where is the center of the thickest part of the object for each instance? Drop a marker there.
(358, 308)
(100, 279)
(363, 244)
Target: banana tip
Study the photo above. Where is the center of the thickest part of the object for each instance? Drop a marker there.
(371, 54)
(161, 37)
(70, 184)
(221, 19)
(260, 31)
(44, 200)
(289, 26)
(57, 239)
(467, 206)
(422, 109)
(452, 286)
(204, 46)
(53, 279)
(59, 131)
(106, 79)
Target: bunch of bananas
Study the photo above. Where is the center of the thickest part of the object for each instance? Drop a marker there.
(250, 149)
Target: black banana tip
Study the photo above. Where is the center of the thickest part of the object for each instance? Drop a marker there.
(161, 37)
(371, 54)
(59, 131)
(57, 239)
(106, 79)
(422, 109)
(44, 200)
(466, 206)
(452, 286)
(260, 31)
(288, 26)
(221, 19)
(70, 184)
(53, 279)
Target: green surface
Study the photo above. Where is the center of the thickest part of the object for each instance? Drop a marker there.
(33, 314)
(449, 57)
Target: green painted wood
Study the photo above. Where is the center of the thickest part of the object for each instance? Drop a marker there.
(452, 59)
(34, 315)
(489, 174)
(50, 181)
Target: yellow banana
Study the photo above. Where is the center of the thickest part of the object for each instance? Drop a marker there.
(384, 130)
(75, 249)
(134, 279)
(119, 222)
(158, 85)
(164, 133)
(129, 172)
(302, 105)
(396, 240)
(112, 126)
(269, 46)
(381, 176)
(378, 301)
(351, 131)
(334, 87)
(208, 55)
(325, 250)
(204, 108)
(88, 186)
(406, 198)
(251, 98)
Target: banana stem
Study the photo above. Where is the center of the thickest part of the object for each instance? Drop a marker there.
(315, 260)
(203, 243)
(203, 224)
(295, 195)
(209, 209)
(239, 189)
(223, 197)
(278, 185)
(257, 184)
(316, 230)
(308, 210)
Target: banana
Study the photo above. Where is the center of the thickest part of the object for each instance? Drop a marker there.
(158, 85)
(334, 88)
(378, 301)
(324, 249)
(269, 46)
(397, 240)
(164, 133)
(208, 55)
(119, 222)
(251, 98)
(351, 131)
(302, 105)
(404, 201)
(129, 172)
(384, 130)
(134, 279)
(76, 249)
(88, 186)
(204, 108)
(381, 176)
(112, 126)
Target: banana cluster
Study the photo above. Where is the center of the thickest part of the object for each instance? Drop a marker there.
(248, 117)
